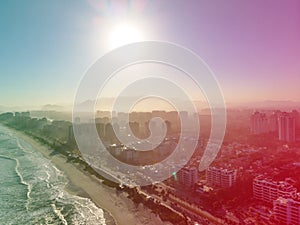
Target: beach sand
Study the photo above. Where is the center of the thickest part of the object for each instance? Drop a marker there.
(122, 209)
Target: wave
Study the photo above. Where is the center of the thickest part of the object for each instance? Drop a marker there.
(46, 197)
(47, 180)
(90, 207)
(59, 214)
(87, 211)
(58, 172)
(22, 181)
(20, 146)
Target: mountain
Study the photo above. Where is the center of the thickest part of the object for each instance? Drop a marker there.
(50, 107)
(268, 104)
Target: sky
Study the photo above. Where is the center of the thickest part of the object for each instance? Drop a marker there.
(253, 47)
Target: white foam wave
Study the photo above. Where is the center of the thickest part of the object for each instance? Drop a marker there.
(58, 172)
(19, 145)
(95, 213)
(48, 179)
(22, 181)
(86, 211)
(59, 214)
(29, 187)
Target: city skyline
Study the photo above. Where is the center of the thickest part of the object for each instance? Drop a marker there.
(150, 112)
(253, 48)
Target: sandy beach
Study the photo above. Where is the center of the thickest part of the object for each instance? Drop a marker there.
(122, 209)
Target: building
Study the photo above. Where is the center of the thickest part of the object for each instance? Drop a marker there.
(297, 118)
(160, 114)
(287, 127)
(221, 177)
(124, 153)
(287, 210)
(268, 190)
(185, 121)
(273, 121)
(133, 127)
(188, 176)
(22, 114)
(259, 123)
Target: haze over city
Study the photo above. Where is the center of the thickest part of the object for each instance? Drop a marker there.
(150, 112)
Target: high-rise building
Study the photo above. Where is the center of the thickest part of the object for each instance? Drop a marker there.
(184, 120)
(259, 123)
(221, 177)
(188, 176)
(22, 114)
(160, 114)
(268, 190)
(122, 118)
(287, 210)
(110, 134)
(287, 127)
(273, 122)
(296, 114)
(103, 114)
(134, 127)
(174, 120)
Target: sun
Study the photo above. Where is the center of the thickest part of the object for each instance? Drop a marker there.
(123, 34)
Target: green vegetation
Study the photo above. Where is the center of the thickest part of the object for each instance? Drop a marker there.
(58, 137)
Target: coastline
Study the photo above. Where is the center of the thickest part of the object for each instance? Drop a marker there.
(118, 209)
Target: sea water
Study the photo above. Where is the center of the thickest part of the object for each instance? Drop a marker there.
(32, 189)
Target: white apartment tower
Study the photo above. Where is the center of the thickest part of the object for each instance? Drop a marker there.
(221, 177)
(268, 190)
(287, 210)
(188, 176)
(259, 123)
(287, 127)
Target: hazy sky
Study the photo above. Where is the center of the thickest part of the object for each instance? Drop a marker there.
(252, 46)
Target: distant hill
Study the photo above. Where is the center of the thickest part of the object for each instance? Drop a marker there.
(106, 103)
(50, 107)
(268, 104)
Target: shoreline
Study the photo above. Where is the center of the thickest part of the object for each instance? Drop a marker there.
(117, 208)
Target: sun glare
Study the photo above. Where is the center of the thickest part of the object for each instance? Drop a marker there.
(124, 34)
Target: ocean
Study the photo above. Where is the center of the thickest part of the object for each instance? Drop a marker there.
(32, 189)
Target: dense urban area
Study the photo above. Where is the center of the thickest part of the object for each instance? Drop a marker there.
(253, 180)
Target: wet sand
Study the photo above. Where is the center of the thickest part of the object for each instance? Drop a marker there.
(122, 209)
